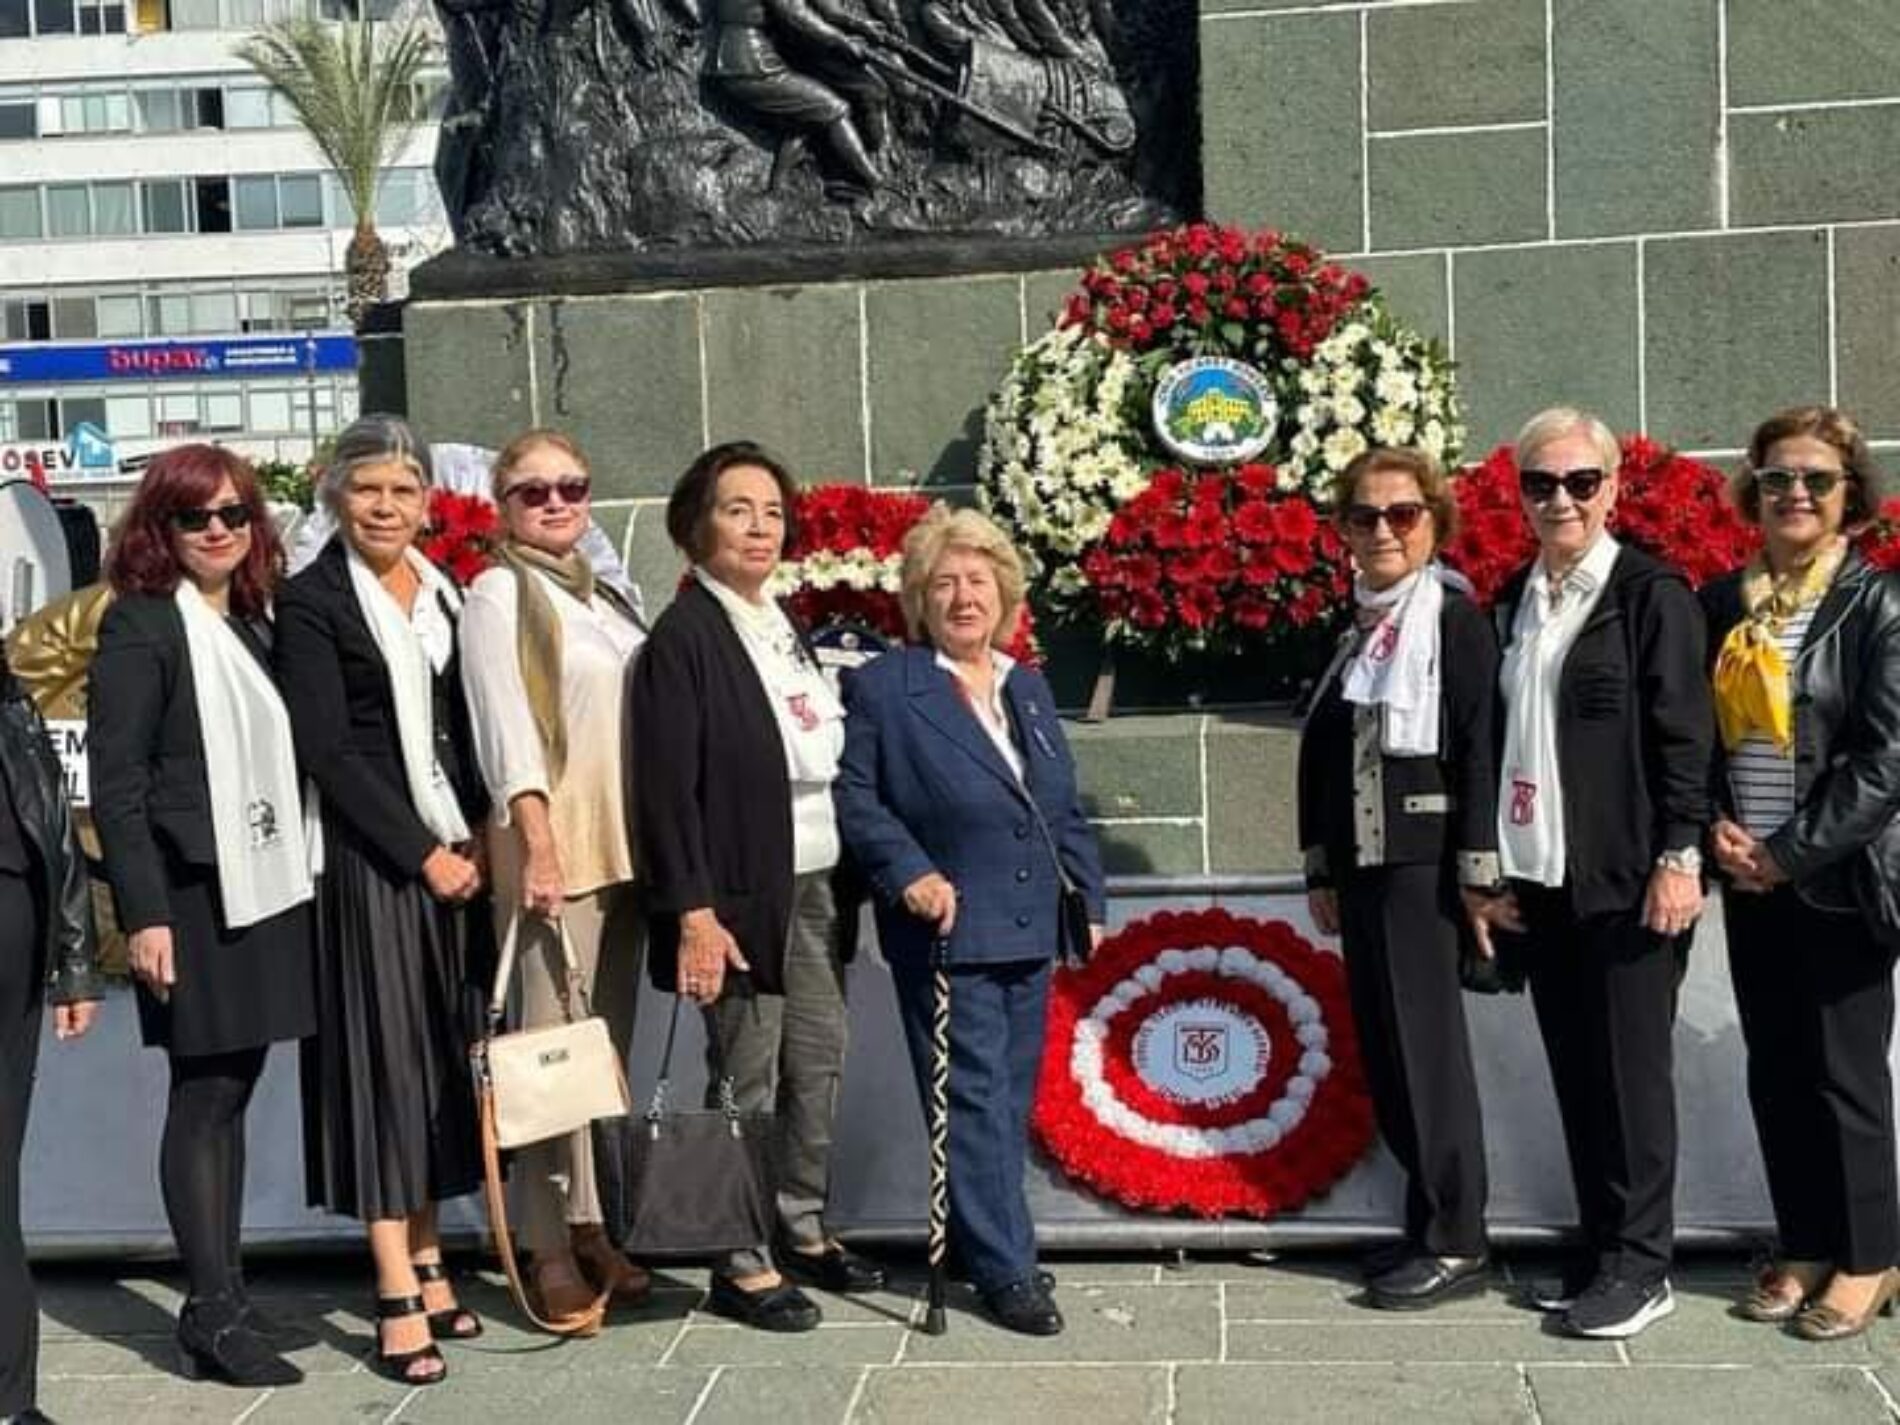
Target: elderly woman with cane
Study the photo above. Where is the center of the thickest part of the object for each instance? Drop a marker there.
(957, 795)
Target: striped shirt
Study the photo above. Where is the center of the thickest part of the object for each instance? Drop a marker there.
(1760, 774)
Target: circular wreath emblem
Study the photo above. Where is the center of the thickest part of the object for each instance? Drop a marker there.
(1205, 1062)
(1213, 410)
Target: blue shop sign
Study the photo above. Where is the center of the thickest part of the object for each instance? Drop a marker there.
(161, 360)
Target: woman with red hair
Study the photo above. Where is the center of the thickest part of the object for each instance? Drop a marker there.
(197, 801)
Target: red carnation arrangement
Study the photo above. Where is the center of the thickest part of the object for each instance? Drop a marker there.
(1203, 561)
(461, 534)
(1673, 507)
(1879, 541)
(1206, 289)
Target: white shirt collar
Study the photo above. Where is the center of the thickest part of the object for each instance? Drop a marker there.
(999, 660)
(1587, 575)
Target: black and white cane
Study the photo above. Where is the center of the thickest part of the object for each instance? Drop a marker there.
(939, 1116)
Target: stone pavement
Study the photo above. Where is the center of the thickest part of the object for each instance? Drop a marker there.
(1205, 1340)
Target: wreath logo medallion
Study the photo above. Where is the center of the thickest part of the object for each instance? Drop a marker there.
(1205, 1062)
(1214, 410)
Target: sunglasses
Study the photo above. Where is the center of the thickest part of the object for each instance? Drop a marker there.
(533, 494)
(1401, 518)
(1540, 486)
(232, 517)
(1779, 480)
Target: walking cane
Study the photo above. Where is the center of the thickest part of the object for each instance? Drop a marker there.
(939, 1116)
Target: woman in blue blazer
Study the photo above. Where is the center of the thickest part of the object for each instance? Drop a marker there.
(957, 796)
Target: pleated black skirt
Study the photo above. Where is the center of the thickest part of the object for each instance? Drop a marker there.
(234, 989)
(388, 1097)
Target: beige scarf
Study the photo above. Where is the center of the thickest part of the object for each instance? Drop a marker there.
(538, 635)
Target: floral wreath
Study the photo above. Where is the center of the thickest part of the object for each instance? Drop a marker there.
(1205, 1062)
(460, 534)
(1070, 447)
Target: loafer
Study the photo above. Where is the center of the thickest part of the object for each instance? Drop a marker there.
(774, 1308)
(1821, 1322)
(1766, 1300)
(836, 1268)
(1555, 1297)
(1425, 1281)
(1024, 1307)
(32, 1415)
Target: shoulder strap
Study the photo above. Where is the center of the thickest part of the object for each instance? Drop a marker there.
(574, 1003)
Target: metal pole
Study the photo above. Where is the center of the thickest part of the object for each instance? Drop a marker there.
(934, 1321)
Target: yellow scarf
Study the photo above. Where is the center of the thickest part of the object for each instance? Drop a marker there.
(1751, 676)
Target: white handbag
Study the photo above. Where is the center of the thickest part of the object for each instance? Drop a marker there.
(553, 1080)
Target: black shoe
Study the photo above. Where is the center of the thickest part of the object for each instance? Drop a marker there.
(1025, 1307)
(32, 1415)
(283, 1335)
(215, 1344)
(774, 1308)
(1616, 1308)
(422, 1366)
(836, 1268)
(1386, 1256)
(1425, 1281)
(1554, 1297)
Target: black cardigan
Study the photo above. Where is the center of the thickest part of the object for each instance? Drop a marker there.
(709, 793)
(1434, 807)
(1635, 729)
(151, 795)
(343, 716)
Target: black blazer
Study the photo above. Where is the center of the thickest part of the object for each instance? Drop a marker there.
(1435, 807)
(1635, 730)
(151, 798)
(343, 716)
(709, 793)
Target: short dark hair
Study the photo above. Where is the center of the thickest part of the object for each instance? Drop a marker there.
(689, 508)
(1831, 426)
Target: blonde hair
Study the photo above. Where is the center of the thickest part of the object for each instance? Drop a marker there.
(516, 451)
(1559, 421)
(935, 535)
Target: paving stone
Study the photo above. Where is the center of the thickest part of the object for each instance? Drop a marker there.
(621, 374)
(1138, 766)
(1737, 329)
(1421, 69)
(601, 1396)
(1079, 1395)
(1251, 778)
(1809, 51)
(1815, 167)
(361, 1397)
(1867, 325)
(830, 1345)
(1517, 356)
(1327, 1395)
(782, 369)
(339, 1351)
(466, 369)
(889, 1307)
(1290, 154)
(1425, 1339)
(1440, 190)
(152, 1400)
(1414, 288)
(784, 1395)
(937, 350)
(1150, 848)
(1292, 1298)
(1636, 105)
(1120, 1322)
(1669, 1396)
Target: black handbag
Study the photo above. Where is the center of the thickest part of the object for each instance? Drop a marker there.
(679, 1182)
(1075, 938)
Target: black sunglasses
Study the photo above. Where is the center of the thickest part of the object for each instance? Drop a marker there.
(1779, 480)
(1540, 486)
(533, 494)
(233, 517)
(1401, 518)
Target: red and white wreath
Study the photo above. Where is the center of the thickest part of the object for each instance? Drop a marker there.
(1204, 1061)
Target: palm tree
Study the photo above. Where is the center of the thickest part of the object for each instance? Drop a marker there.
(352, 85)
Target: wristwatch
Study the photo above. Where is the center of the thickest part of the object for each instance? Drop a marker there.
(1686, 859)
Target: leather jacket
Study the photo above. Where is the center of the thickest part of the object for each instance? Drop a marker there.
(37, 785)
(1841, 848)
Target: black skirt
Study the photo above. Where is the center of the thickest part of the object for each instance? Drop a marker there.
(388, 1096)
(234, 989)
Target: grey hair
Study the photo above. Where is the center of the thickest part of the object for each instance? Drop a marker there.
(1554, 424)
(371, 440)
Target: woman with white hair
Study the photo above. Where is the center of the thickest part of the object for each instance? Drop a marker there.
(1603, 802)
(366, 657)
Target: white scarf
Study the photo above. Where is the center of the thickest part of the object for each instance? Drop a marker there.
(1531, 843)
(1396, 666)
(810, 717)
(416, 647)
(250, 766)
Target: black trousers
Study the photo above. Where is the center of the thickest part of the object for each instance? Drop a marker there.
(1815, 994)
(21, 994)
(1402, 973)
(1605, 993)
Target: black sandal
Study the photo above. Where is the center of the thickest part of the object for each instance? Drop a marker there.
(452, 1323)
(400, 1367)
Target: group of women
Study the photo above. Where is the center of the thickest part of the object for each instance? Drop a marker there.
(1531, 796)
(325, 800)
